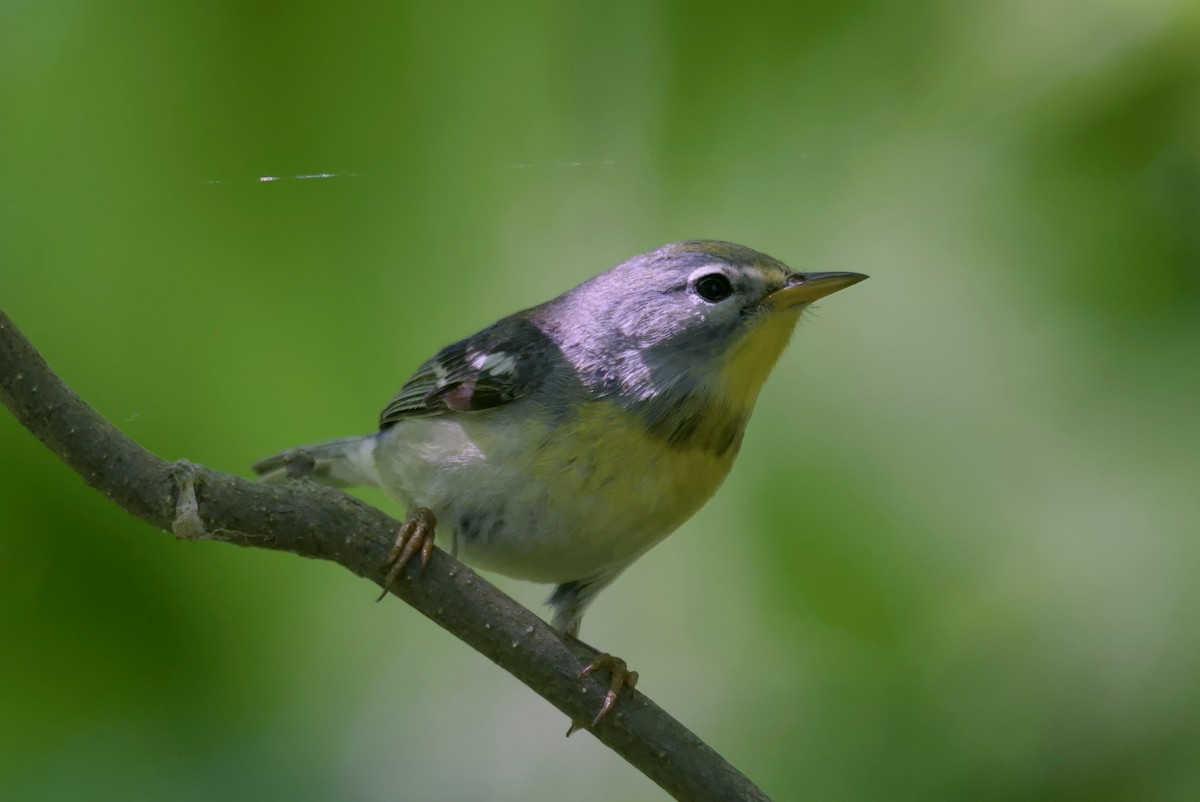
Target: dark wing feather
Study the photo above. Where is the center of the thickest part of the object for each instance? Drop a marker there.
(500, 364)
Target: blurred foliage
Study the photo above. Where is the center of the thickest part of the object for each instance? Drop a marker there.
(968, 500)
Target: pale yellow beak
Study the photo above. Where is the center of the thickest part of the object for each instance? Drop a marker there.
(803, 288)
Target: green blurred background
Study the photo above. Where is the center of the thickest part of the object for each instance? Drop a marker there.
(966, 513)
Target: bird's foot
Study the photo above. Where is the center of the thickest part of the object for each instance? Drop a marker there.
(416, 535)
(621, 677)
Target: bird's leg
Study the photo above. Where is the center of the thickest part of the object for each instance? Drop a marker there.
(569, 600)
(621, 677)
(416, 534)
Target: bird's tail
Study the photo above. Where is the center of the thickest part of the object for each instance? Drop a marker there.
(347, 462)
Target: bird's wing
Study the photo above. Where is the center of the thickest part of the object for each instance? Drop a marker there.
(497, 365)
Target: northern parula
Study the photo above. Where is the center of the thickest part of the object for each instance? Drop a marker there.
(562, 442)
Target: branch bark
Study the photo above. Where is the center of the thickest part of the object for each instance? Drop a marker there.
(308, 519)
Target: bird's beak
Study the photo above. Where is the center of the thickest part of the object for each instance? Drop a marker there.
(803, 288)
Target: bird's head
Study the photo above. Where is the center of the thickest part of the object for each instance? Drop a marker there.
(705, 314)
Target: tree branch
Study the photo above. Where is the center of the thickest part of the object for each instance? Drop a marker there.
(304, 518)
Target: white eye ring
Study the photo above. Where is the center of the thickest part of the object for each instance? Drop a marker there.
(711, 285)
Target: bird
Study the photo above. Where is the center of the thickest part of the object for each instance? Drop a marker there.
(561, 443)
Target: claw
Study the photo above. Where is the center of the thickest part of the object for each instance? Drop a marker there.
(416, 534)
(621, 677)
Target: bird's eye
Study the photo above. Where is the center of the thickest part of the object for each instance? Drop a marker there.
(714, 287)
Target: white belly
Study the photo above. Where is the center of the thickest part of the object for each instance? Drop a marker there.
(543, 503)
